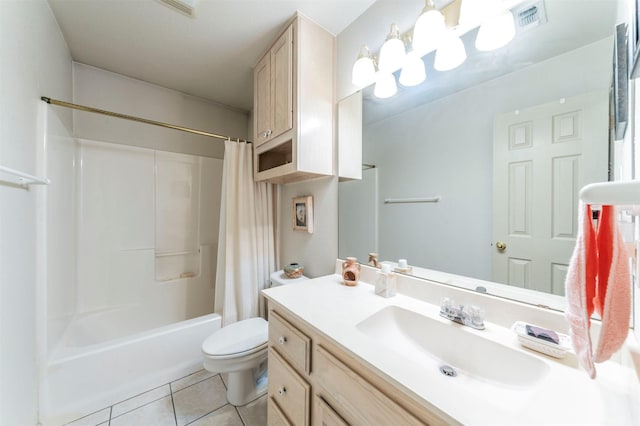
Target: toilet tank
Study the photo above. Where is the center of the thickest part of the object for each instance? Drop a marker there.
(279, 278)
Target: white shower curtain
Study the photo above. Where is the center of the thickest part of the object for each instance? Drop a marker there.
(246, 242)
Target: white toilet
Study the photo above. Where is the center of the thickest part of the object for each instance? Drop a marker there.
(240, 350)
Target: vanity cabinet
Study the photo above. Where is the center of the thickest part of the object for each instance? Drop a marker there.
(293, 116)
(314, 381)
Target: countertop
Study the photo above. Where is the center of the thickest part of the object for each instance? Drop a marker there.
(564, 395)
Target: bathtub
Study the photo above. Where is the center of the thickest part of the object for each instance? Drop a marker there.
(93, 368)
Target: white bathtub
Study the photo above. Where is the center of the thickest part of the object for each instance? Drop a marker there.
(92, 370)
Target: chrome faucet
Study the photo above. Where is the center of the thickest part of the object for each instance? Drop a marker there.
(471, 316)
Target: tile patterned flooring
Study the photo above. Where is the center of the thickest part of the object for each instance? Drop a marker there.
(197, 400)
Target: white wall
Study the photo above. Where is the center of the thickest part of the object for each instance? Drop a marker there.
(445, 148)
(35, 62)
(317, 252)
(114, 92)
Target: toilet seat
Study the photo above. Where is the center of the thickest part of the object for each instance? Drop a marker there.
(238, 339)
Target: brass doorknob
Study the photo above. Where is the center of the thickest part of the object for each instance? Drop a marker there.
(501, 245)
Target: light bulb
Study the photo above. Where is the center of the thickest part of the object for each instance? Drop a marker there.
(364, 70)
(413, 72)
(385, 86)
(392, 52)
(450, 54)
(496, 32)
(428, 30)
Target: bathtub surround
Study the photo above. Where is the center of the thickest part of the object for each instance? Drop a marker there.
(247, 250)
(128, 223)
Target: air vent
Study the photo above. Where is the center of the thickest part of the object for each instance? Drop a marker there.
(186, 7)
(530, 15)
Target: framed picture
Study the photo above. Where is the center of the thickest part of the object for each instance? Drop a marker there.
(303, 214)
(634, 40)
(620, 81)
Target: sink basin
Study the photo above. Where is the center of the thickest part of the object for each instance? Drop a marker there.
(435, 342)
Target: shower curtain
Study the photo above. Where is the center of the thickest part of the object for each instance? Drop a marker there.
(246, 242)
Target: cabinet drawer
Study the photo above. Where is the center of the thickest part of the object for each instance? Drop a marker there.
(288, 390)
(324, 415)
(290, 342)
(275, 416)
(357, 401)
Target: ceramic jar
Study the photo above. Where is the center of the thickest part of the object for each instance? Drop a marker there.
(350, 271)
(293, 270)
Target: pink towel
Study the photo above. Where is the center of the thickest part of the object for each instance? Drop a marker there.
(580, 286)
(613, 299)
(598, 278)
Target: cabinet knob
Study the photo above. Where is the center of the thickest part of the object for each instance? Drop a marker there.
(282, 391)
(282, 340)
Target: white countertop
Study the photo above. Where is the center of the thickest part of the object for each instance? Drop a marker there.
(563, 396)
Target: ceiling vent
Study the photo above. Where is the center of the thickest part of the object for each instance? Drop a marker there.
(186, 7)
(530, 15)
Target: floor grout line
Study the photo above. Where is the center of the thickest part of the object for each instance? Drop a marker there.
(240, 416)
(173, 405)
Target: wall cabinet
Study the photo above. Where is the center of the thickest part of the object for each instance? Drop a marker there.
(273, 97)
(335, 389)
(293, 117)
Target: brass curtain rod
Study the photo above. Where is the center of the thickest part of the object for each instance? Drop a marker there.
(138, 119)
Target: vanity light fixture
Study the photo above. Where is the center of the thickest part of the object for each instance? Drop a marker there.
(429, 29)
(385, 86)
(496, 31)
(364, 69)
(392, 52)
(438, 30)
(450, 54)
(413, 72)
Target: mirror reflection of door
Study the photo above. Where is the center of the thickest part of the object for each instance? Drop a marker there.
(542, 156)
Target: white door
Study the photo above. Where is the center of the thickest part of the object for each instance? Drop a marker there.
(542, 156)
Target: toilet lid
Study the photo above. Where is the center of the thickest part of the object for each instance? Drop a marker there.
(241, 336)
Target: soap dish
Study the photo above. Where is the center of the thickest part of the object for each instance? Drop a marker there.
(556, 350)
(405, 270)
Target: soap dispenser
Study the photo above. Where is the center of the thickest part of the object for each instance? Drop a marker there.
(385, 282)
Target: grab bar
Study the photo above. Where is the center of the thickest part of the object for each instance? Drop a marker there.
(22, 178)
(412, 200)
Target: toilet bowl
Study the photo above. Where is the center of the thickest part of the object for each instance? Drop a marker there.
(240, 351)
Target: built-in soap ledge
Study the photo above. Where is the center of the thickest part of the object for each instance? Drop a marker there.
(171, 266)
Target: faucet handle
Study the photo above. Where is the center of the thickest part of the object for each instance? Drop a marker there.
(446, 304)
(475, 315)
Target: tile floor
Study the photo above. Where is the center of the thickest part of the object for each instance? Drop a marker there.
(198, 400)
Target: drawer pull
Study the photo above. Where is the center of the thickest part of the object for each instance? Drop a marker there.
(282, 391)
(282, 340)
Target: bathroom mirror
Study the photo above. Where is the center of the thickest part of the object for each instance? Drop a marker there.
(435, 142)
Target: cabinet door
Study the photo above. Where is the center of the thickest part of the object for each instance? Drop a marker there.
(357, 401)
(262, 100)
(282, 84)
(324, 415)
(289, 391)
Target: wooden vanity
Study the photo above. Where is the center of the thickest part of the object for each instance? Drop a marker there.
(312, 381)
(327, 368)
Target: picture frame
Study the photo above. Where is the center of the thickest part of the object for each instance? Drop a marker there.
(302, 213)
(620, 81)
(634, 40)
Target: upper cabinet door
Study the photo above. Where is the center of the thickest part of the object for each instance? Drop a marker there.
(262, 100)
(282, 84)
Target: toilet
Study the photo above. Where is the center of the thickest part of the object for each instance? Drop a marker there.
(240, 351)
